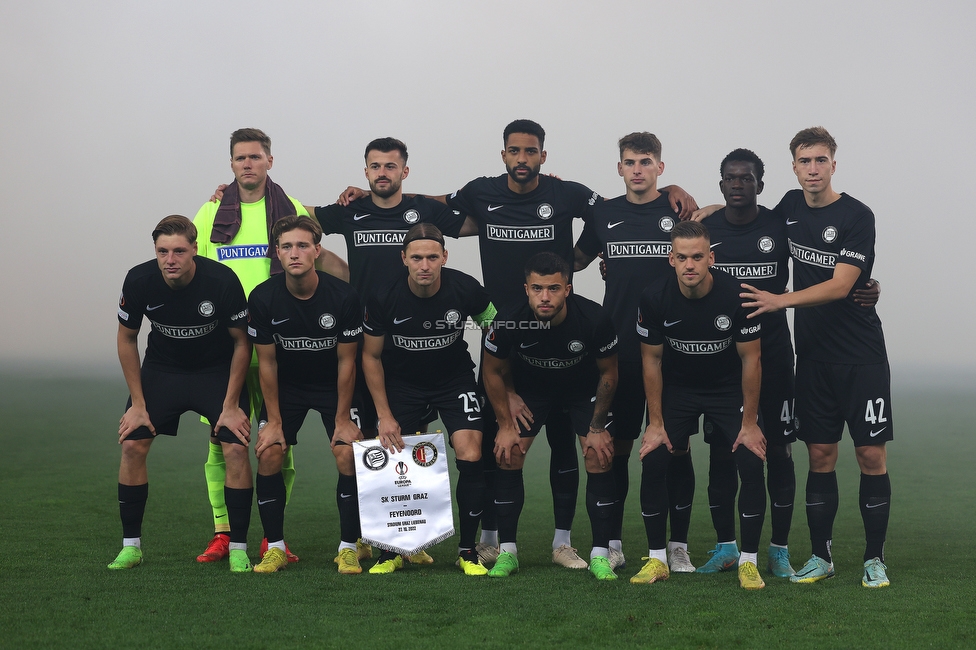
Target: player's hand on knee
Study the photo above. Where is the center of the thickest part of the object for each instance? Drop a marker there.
(389, 434)
(218, 193)
(654, 437)
(521, 414)
(237, 422)
(269, 436)
(506, 440)
(133, 418)
(600, 443)
(350, 194)
(345, 433)
(753, 439)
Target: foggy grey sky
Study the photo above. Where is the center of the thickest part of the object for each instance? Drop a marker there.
(115, 114)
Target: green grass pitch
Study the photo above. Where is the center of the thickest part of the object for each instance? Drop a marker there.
(60, 528)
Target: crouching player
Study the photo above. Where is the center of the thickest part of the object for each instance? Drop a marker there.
(415, 359)
(551, 355)
(196, 360)
(306, 326)
(701, 356)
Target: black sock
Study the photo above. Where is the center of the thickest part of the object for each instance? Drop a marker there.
(489, 518)
(654, 496)
(723, 483)
(563, 472)
(874, 497)
(132, 508)
(599, 506)
(752, 498)
(621, 481)
(238, 502)
(509, 499)
(781, 481)
(470, 499)
(822, 498)
(347, 501)
(681, 493)
(271, 505)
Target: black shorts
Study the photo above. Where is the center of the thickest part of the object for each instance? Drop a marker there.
(722, 408)
(294, 403)
(830, 394)
(574, 412)
(363, 411)
(171, 394)
(626, 418)
(776, 399)
(458, 403)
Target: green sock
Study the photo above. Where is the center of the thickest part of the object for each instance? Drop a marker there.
(288, 473)
(216, 472)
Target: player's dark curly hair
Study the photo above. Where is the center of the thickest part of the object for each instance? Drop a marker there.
(547, 263)
(744, 155)
(525, 126)
(386, 145)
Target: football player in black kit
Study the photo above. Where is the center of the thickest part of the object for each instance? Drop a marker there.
(306, 326)
(415, 359)
(632, 233)
(542, 357)
(516, 215)
(842, 372)
(701, 356)
(196, 360)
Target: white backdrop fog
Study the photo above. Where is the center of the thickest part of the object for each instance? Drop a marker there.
(115, 114)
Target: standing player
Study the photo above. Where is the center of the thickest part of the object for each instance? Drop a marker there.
(196, 360)
(701, 356)
(558, 346)
(842, 372)
(632, 235)
(415, 359)
(306, 327)
(236, 231)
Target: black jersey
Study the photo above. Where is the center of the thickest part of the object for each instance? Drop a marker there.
(189, 325)
(757, 253)
(424, 343)
(699, 335)
(842, 232)
(305, 333)
(635, 240)
(374, 235)
(514, 227)
(554, 360)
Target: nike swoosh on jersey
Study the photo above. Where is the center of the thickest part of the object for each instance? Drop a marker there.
(357, 217)
(667, 324)
(528, 345)
(790, 223)
(613, 225)
(397, 321)
(154, 308)
(492, 208)
(279, 322)
(718, 243)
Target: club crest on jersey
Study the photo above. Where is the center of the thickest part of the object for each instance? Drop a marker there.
(666, 224)
(375, 458)
(829, 234)
(327, 321)
(425, 454)
(766, 244)
(544, 211)
(206, 308)
(452, 316)
(411, 216)
(723, 322)
(575, 346)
